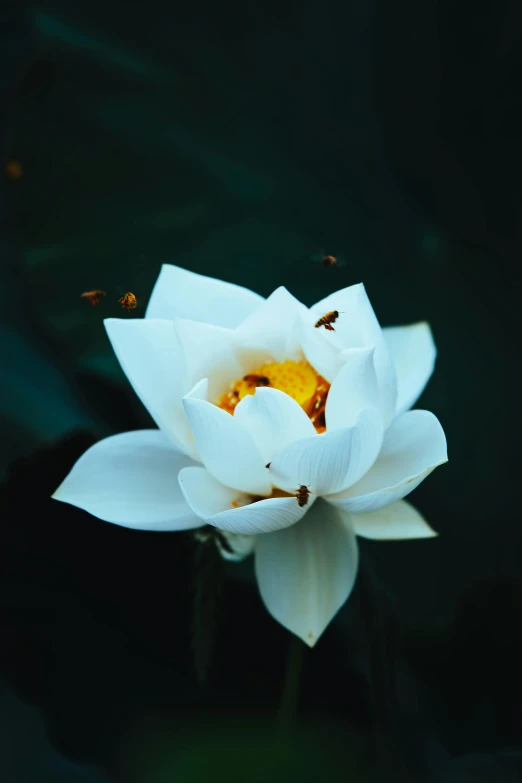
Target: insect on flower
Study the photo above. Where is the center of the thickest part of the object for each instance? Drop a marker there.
(94, 297)
(327, 320)
(128, 301)
(205, 465)
(256, 380)
(302, 495)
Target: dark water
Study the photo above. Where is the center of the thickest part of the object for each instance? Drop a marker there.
(236, 139)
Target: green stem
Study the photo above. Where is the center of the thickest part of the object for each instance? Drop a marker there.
(288, 707)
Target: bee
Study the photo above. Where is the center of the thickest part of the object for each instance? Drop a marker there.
(327, 320)
(14, 169)
(302, 495)
(128, 301)
(94, 297)
(256, 380)
(327, 260)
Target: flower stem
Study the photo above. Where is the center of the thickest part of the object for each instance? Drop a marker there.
(288, 706)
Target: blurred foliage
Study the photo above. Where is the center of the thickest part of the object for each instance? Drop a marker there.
(240, 749)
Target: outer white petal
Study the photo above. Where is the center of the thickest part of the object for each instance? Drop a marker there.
(150, 356)
(213, 502)
(355, 387)
(397, 522)
(131, 480)
(274, 420)
(208, 352)
(357, 327)
(414, 445)
(413, 353)
(306, 572)
(227, 450)
(179, 293)
(270, 328)
(330, 462)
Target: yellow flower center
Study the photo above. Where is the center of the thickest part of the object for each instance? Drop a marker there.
(297, 379)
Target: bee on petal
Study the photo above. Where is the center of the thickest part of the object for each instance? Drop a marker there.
(256, 380)
(128, 301)
(327, 320)
(302, 495)
(94, 297)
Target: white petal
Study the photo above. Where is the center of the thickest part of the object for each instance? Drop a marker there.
(306, 572)
(321, 352)
(199, 391)
(131, 480)
(357, 327)
(208, 352)
(355, 387)
(271, 328)
(414, 445)
(179, 293)
(397, 522)
(226, 449)
(215, 504)
(274, 420)
(330, 462)
(150, 356)
(413, 353)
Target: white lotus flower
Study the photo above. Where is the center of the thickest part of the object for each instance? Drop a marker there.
(334, 419)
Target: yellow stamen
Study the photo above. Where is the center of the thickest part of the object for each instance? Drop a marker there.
(297, 379)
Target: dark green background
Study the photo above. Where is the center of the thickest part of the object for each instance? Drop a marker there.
(236, 139)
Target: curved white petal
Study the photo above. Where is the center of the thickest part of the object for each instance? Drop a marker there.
(413, 353)
(226, 449)
(198, 392)
(270, 328)
(131, 480)
(222, 507)
(357, 327)
(306, 572)
(355, 387)
(151, 357)
(398, 522)
(330, 462)
(274, 420)
(179, 293)
(208, 352)
(318, 349)
(414, 445)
